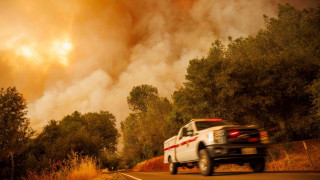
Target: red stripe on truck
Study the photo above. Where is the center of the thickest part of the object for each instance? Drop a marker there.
(181, 144)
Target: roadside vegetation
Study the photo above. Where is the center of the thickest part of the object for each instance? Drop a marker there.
(65, 148)
(271, 79)
(75, 167)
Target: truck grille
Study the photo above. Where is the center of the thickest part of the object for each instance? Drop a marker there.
(246, 136)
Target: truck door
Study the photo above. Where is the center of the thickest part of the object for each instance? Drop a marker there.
(187, 145)
(180, 148)
(191, 145)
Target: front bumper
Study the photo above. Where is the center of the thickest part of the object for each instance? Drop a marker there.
(231, 153)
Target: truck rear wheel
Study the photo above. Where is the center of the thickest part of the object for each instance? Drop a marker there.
(258, 165)
(173, 167)
(205, 163)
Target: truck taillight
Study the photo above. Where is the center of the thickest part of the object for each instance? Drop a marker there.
(234, 133)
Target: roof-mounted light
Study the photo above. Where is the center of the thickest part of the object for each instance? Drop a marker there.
(214, 119)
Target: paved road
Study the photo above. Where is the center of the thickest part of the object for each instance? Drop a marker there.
(221, 176)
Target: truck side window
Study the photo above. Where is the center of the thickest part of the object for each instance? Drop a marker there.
(183, 132)
(190, 130)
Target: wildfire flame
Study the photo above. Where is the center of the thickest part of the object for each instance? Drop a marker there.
(38, 55)
(61, 49)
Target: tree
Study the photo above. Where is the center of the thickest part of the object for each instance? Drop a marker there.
(144, 130)
(199, 94)
(269, 79)
(269, 74)
(140, 96)
(132, 150)
(314, 90)
(14, 126)
(103, 125)
(88, 134)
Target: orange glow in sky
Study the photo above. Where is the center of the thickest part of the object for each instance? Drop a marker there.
(86, 55)
(61, 49)
(37, 55)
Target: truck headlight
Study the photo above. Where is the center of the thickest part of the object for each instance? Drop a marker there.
(219, 137)
(210, 137)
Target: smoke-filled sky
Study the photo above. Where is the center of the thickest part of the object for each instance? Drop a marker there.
(86, 55)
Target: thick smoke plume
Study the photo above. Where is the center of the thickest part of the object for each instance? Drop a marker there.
(87, 55)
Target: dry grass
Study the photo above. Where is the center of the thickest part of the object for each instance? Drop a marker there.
(75, 168)
(154, 164)
(296, 157)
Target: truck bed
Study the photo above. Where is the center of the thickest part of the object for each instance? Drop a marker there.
(167, 150)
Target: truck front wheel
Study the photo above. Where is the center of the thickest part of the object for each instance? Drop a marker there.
(258, 165)
(173, 167)
(205, 163)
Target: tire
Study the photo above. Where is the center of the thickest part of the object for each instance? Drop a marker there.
(173, 167)
(205, 163)
(258, 165)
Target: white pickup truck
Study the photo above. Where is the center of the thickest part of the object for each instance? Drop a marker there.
(207, 143)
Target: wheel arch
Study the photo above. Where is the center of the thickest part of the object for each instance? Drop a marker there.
(201, 145)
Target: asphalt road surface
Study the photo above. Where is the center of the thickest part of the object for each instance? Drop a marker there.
(222, 176)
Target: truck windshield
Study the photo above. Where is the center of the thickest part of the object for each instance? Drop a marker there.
(201, 125)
